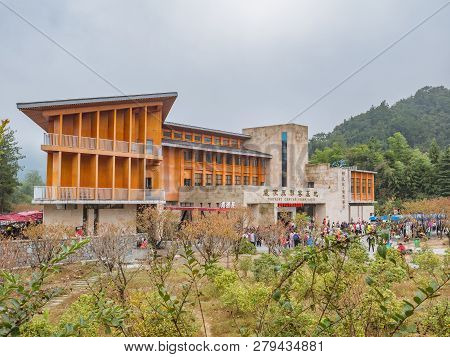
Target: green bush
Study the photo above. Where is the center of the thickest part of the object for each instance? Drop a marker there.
(266, 267)
(38, 326)
(245, 298)
(245, 264)
(246, 247)
(427, 260)
(148, 319)
(81, 313)
(224, 280)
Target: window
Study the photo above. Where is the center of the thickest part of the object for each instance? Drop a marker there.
(263, 163)
(369, 186)
(187, 182)
(234, 143)
(357, 186)
(186, 204)
(255, 180)
(245, 180)
(352, 186)
(188, 137)
(167, 134)
(148, 183)
(199, 156)
(187, 155)
(246, 161)
(284, 159)
(229, 159)
(262, 183)
(228, 179)
(254, 162)
(237, 180)
(198, 138)
(208, 156)
(219, 158)
(207, 139)
(237, 160)
(198, 179)
(310, 184)
(225, 142)
(216, 141)
(218, 179)
(208, 179)
(363, 186)
(177, 135)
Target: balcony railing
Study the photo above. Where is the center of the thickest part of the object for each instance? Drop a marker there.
(56, 193)
(72, 141)
(137, 148)
(105, 144)
(88, 143)
(51, 139)
(69, 141)
(122, 146)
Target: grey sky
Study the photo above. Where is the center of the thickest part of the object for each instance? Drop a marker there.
(233, 63)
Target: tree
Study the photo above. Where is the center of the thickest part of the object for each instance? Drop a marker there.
(9, 164)
(443, 179)
(434, 153)
(24, 192)
(159, 225)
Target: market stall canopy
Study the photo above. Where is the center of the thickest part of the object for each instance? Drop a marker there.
(28, 216)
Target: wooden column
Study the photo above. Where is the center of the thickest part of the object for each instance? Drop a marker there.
(60, 126)
(97, 123)
(145, 131)
(204, 169)
(80, 123)
(233, 170)
(96, 173)
(78, 174)
(113, 194)
(114, 129)
(129, 177)
(224, 168)
(130, 131)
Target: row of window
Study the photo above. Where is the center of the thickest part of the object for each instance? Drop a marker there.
(361, 189)
(218, 158)
(208, 181)
(200, 138)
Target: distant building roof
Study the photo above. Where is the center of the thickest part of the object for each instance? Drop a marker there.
(35, 109)
(204, 130)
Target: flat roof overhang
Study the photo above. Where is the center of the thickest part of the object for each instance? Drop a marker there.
(36, 110)
(214, 148)
(198, 129)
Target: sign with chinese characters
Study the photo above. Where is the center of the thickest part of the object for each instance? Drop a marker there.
(227, 205)
(290, 195)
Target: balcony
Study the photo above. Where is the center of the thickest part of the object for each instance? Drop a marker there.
(88, 194)
(88, 143)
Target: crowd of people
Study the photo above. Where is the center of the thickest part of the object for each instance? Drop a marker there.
(391, 234)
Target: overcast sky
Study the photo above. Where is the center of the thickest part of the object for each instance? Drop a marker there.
(233, 63)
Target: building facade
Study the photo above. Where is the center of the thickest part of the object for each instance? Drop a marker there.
(106, 157)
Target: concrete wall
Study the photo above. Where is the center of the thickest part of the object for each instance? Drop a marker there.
(74, 216)
(267, 139)
(70, 216)
(122, 216)
(361, 212)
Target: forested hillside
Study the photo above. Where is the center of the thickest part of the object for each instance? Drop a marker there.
(407, 144)
(419, 118)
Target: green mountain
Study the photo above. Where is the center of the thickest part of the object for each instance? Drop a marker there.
(419, 118)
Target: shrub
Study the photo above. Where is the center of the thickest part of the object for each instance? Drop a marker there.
(38, 326)
(224, 280)
(266, 267)
(82, 311)
(427, 260)
(246, 247)
(245, 298)
(245, 264)
(148, 319)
